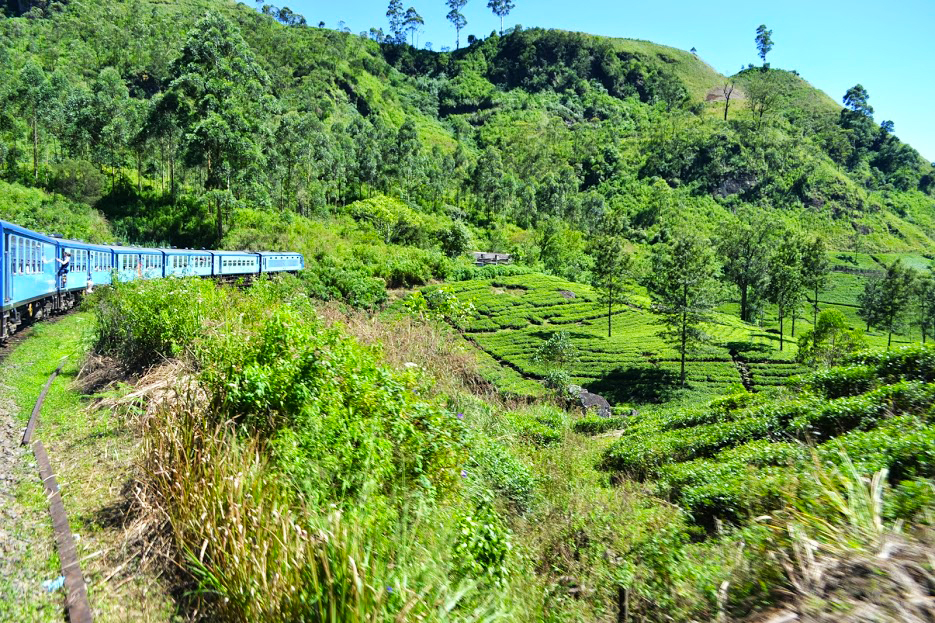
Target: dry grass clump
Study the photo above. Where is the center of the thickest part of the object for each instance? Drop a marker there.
(847, 565)
(406, 341)
(255, 552)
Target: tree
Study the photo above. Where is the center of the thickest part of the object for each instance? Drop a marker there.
(683, 289)
(411, 22)
(829, 341)
(728, 91)
(785, 277)
(816, 268)
(925, 303)
(764, 95)
(764, 42)
(488, 181)
(457, 18)
(219, 95)
(396, 14)
(501, 8)
(32, 94)
(884, 302)
(611, 264)
(744, 250)
(558, 350)
(856, 100)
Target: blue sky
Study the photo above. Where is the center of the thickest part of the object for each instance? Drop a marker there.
(888, 47)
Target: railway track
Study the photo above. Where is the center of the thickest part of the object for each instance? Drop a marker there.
(76, 597)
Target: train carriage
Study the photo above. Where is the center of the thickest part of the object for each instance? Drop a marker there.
(27, 274)
(187, 263)
(92, 263)
(236, 263)
(138, 263)
(278, 262)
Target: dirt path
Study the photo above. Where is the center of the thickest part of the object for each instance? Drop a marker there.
(746, 376)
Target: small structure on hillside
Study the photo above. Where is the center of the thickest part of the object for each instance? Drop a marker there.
(482, 258)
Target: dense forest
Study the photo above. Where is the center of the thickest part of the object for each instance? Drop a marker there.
(397, 433)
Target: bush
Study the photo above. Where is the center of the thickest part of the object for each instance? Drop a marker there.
(482, 545)
(503, 473)
(595, 425)
(144, 322)
(840, 382)
(327, 280)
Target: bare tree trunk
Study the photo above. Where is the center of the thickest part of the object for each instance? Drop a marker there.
(780, 328)
(35, 148)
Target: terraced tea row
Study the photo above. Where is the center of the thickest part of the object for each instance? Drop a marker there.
(734, 458)
(514, 316)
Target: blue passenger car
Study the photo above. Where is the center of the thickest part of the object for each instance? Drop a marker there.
(236, 263)
(273, 262)
(187, 263)
(28, 268)
(138, 263)
(89, 262)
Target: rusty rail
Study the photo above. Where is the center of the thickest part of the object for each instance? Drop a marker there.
(34, 417)
(76, 593)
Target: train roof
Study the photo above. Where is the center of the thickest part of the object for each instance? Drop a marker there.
(77, 244)
(186, 251)
(279, 253)
(121, 249)
(22, 231)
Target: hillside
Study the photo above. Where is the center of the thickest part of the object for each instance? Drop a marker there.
(398, 434)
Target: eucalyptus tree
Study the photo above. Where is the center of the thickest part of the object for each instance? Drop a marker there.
(411, 22)
(611, 264)
(501, 8)
(457, 19)
(816, 270)
(32, 94)
(395, 14)
(925, 303)
(744, 248)
(786, 282)
(219, 95)
(764, 41)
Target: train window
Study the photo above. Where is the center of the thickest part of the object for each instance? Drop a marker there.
(22, 256)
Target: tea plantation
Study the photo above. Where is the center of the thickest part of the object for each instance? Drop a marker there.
(735, 458)
(516, 315)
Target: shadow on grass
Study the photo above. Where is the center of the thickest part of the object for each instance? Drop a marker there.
(747, 349)
(545, 335)
(638, 384)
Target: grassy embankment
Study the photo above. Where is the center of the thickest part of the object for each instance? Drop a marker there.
(92, 453)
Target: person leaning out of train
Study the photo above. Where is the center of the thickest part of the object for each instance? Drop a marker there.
(65, 265)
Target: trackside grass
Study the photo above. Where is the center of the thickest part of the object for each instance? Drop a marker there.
(91, 453)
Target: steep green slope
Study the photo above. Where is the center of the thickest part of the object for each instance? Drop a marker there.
(697, 76)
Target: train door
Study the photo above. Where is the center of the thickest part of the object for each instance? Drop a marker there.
(8, 260)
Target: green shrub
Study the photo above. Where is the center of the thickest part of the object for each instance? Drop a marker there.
(912, 363)
(505, 474)
(327, 280)
(482, 545)
(839, 382)
(911, 500)
(595, 425)
(144, 322)
(542, 429)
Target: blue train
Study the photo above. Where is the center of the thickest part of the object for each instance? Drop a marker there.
(41, 275)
